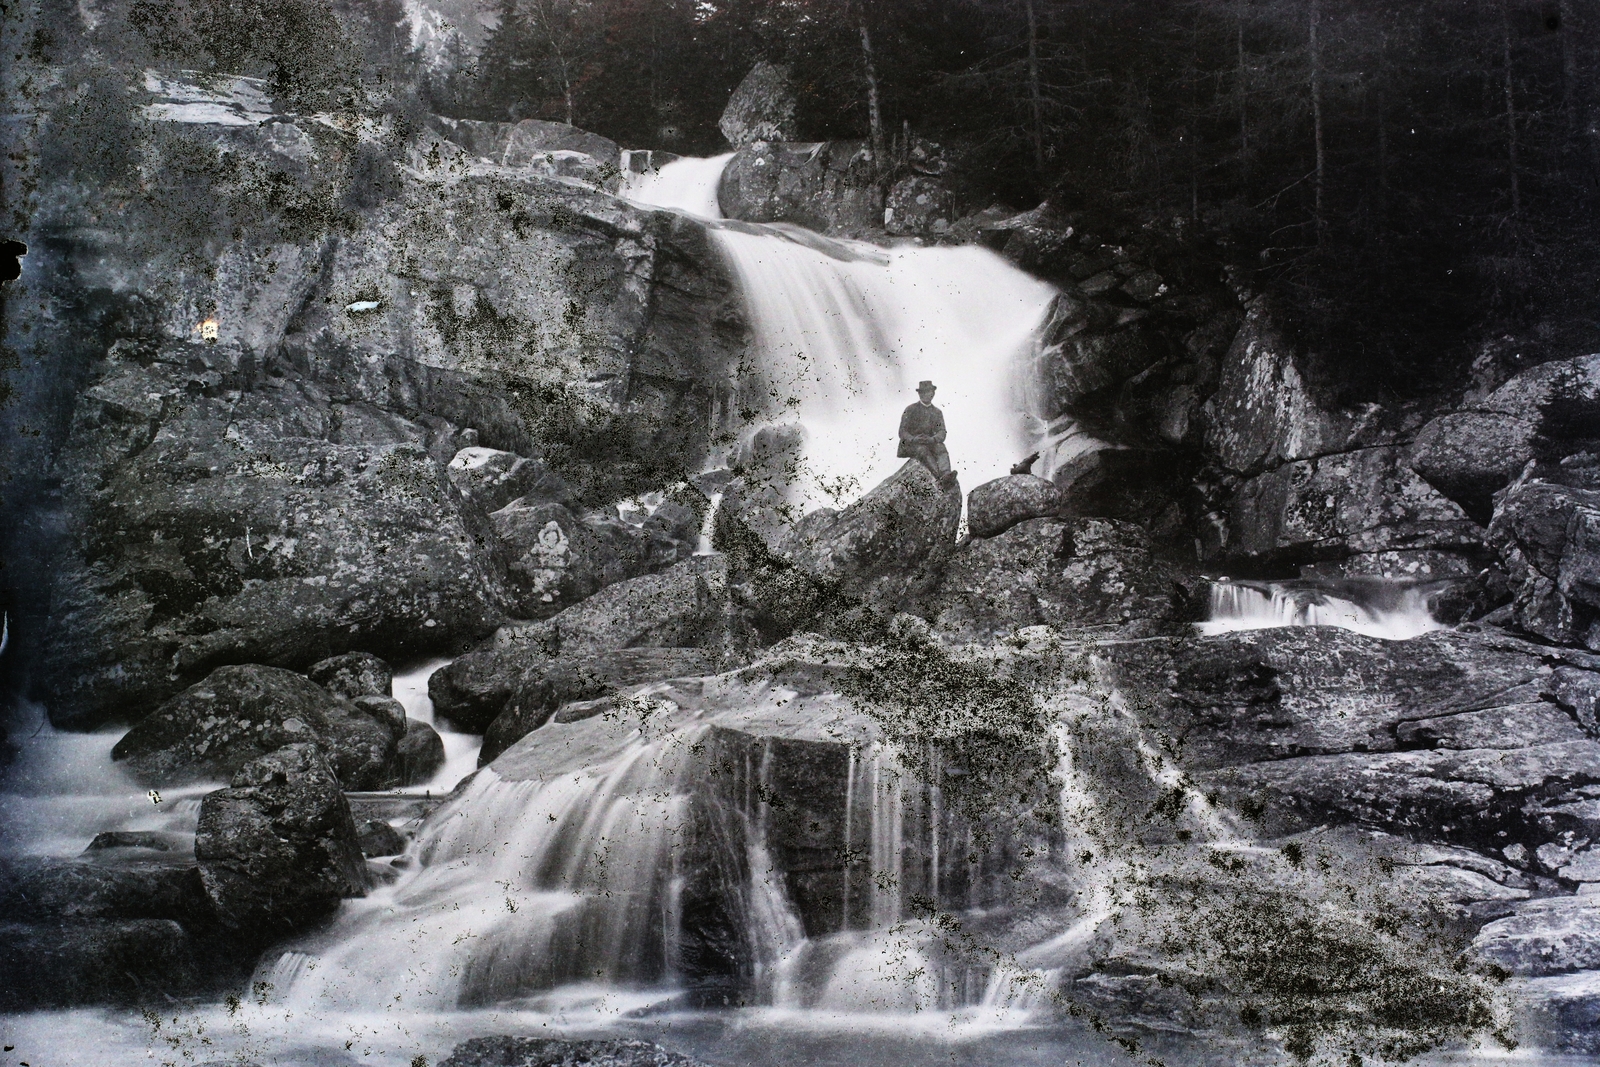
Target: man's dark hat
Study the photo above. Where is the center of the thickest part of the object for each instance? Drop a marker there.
(925, 384)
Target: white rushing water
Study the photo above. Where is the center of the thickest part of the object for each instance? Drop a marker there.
(844, 330)
(1394, 613)
(410, 688)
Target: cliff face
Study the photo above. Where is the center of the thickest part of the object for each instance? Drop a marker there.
(250, 358)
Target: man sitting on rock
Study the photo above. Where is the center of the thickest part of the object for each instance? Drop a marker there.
(922, 436)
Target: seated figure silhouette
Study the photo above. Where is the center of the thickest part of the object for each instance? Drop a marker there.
(922, 436)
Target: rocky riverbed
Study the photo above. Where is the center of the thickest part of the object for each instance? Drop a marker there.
(926, 754)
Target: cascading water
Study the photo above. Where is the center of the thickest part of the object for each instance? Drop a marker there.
(1389, 611)
(844, 330)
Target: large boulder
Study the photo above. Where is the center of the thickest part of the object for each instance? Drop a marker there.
(419, 754)
(101, 962)
(554, 561)
(685, 606)
(1065, 573)
(1547, 411)
(278, 849)
(1147, 487)
(354, 674)
(827, 186)
(540, 689)
(875, 547)
(1548, 537)
(994, 507)
(527, 143)
(762, 107)
(237, 714)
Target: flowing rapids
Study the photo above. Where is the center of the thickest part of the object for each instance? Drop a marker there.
(844, 331)
(1389, 610)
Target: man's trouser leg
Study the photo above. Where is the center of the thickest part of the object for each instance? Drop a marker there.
(933, 456)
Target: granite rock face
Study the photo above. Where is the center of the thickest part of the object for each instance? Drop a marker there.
(762, 107)
(278, 849)
(1548, 537)
(545, 1052)
(874, 548)
(828, 186)
(994, 507)
(214, 728)
(1064, 573)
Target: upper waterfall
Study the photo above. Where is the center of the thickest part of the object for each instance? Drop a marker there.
(845, 329)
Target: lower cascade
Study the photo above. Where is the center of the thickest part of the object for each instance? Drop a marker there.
(662, 857)
(1373, 608)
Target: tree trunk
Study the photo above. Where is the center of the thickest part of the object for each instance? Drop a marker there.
(1569, 67)
(1244, 127)
(1035, 97)
(874, 112)
(1315, 49)
(1511, 114)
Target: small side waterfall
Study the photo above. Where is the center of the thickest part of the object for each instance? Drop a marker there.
(844, 331)
(1390, 611)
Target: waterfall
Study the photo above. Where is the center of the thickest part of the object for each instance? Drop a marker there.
(410, 688)
(844, 330)
(1392, 611)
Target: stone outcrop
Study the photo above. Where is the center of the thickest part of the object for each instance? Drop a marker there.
(1548, 537)
(994, 507)
(686, 606)
(278, 849)
(875, 548)
(541, 689)
(1064, 573)
(547, 1052)
(1547, 411)
(213, 729)
(419, 753)
(762, 107)
(254, 474)
(219, 523)
(917, 205)
(353, 675)
(827, 186)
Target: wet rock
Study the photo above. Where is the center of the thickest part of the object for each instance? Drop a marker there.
(419, 755)
(1353, 502)
(1066, 573)
(1083, 355)
(1548, 537)
(385, 711)
(762, 107)
(354, 674)
(278, 849)
(686, 606)
(121, 962)
(994, 507)
(151, 840)
(110, 886)
(378, 838)
(828, 186)
(491, 479)
(917, 205)
(1318, 690)
(545, 1052)
(553, 559)
(541, 689)
(875, 547)
(214, 728)
(1555, 935)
